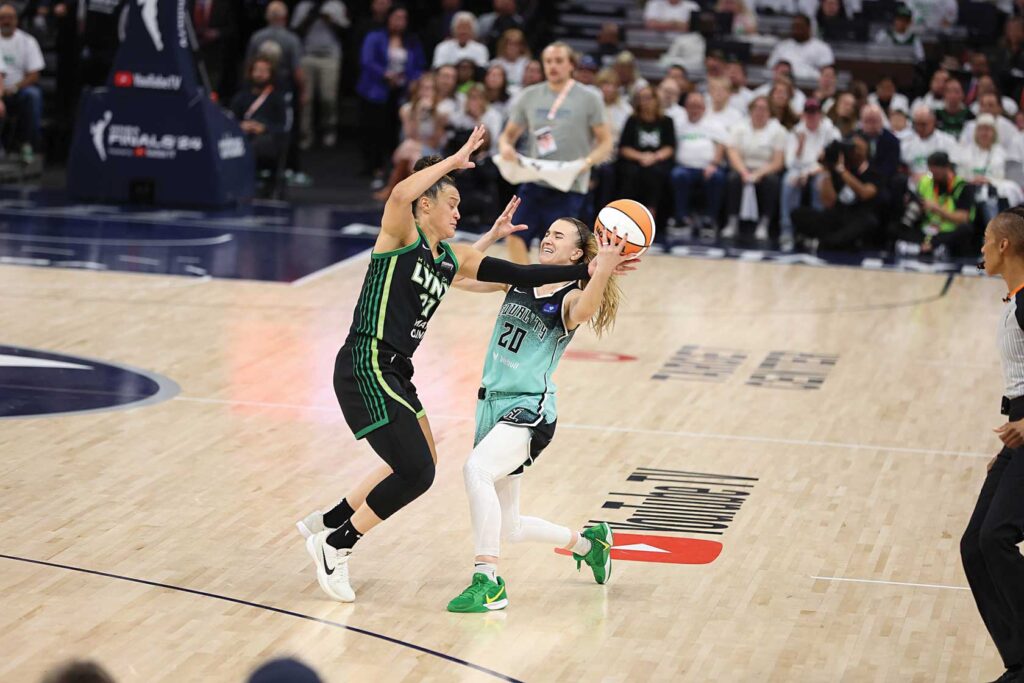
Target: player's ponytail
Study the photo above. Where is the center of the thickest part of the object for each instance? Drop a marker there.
(604, 319)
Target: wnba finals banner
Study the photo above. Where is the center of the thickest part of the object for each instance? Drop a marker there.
(153, 133)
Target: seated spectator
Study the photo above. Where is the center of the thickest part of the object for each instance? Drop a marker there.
(828, 85)
(935, 98)
(885, 96)
(848, 190)
(533, 73)
(496, 90)
(678, 73)
(804, 146)
(262, 113)
(646, 150)
(987, 86)
(446, 83)
(609, 44)
(1006, 133)
(714, 65)
(940, 215)
(884, 147)
(586, 71)
(779, 98)
(982, 161)
(617, 111)
(744, 20)
(901, 33)
(462, 44)
(933, 15)
(925, 142)
(629, 77)
(476, 112)
(700, 154)
(502, 18)
(78, 672)
(831, 20)
(22, 65)
(899, 125)
(512, 55)
(782, 72)
(844, 113)
(320, 26)
(805, 53)
(756, 155)
(465, 77)
(718, 104)
(668, 98)
(670, 16)
(954, 113)
(741, 94)
(423, 128)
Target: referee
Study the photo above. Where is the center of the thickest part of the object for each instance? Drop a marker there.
(992, 562)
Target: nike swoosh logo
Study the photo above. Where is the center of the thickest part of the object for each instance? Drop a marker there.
(606, 546)
(326, 568)
(492, 598)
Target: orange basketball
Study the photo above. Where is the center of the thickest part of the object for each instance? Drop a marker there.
(631, 220)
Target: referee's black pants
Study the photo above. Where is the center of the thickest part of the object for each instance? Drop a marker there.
(992, 562)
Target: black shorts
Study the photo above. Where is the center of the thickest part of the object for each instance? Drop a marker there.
(372, 388)
(541, 432)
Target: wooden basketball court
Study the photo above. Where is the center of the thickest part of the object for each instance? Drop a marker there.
(836, 421)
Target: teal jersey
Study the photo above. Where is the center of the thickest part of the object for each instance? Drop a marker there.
(528, 341)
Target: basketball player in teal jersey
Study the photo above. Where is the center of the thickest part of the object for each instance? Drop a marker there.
(410, 270)
(515, 417)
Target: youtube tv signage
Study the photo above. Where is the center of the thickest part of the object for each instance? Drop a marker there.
(153, 134)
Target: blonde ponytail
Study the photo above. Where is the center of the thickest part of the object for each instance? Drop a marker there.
(604, 320)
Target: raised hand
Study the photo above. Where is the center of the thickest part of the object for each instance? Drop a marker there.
(462, 157)
(610, 257)
(503, 226)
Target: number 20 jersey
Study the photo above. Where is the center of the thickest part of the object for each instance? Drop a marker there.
(528, 341)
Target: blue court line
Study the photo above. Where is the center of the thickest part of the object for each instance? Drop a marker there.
(278, 610)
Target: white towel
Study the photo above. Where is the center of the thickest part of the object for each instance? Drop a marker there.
(558, 174)
(748, 203)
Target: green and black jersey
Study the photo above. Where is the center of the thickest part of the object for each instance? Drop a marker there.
(400, 293)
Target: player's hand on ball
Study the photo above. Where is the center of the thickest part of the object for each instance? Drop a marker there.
(503, 226)
(1011, 434)
(610, 257)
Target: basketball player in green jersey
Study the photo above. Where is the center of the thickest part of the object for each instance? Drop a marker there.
(410, 270)
(515, 417)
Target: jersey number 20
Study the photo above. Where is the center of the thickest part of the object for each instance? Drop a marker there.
(512, 337)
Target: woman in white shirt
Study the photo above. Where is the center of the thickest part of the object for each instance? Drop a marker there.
(804, 145)
(755, 154)
(512, 55)
(982, 161)
(718, 105)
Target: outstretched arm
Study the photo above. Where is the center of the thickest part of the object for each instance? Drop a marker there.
(397, 225)
(487, 269)
(503, 227)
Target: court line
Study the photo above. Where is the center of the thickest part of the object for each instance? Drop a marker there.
(268, 608)
(114, 242)
(891, 583)
(317, 274)
(633, 430)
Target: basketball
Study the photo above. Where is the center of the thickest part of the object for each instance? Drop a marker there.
(631, 220)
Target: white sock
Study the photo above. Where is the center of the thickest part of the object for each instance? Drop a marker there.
(582, 546)
(488, 569)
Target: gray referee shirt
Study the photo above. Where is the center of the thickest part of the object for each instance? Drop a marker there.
(1011, 345)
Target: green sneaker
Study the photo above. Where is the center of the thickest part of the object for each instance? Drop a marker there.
(599, 559)
(483, 595)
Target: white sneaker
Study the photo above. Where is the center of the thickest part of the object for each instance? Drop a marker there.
(761, 233)
(331, 567)
(731, 227)
(786, 243)
(313, 523)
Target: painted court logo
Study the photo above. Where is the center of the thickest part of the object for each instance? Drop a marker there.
(38, 383)
(673, 502)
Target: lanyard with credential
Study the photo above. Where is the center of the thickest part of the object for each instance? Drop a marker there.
(258, 102)
(560, 100)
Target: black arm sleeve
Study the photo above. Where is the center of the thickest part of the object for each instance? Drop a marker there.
(496, 270)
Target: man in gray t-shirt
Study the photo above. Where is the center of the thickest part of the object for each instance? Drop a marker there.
(563, 121)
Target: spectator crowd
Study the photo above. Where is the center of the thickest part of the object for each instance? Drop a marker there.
(798, 161)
